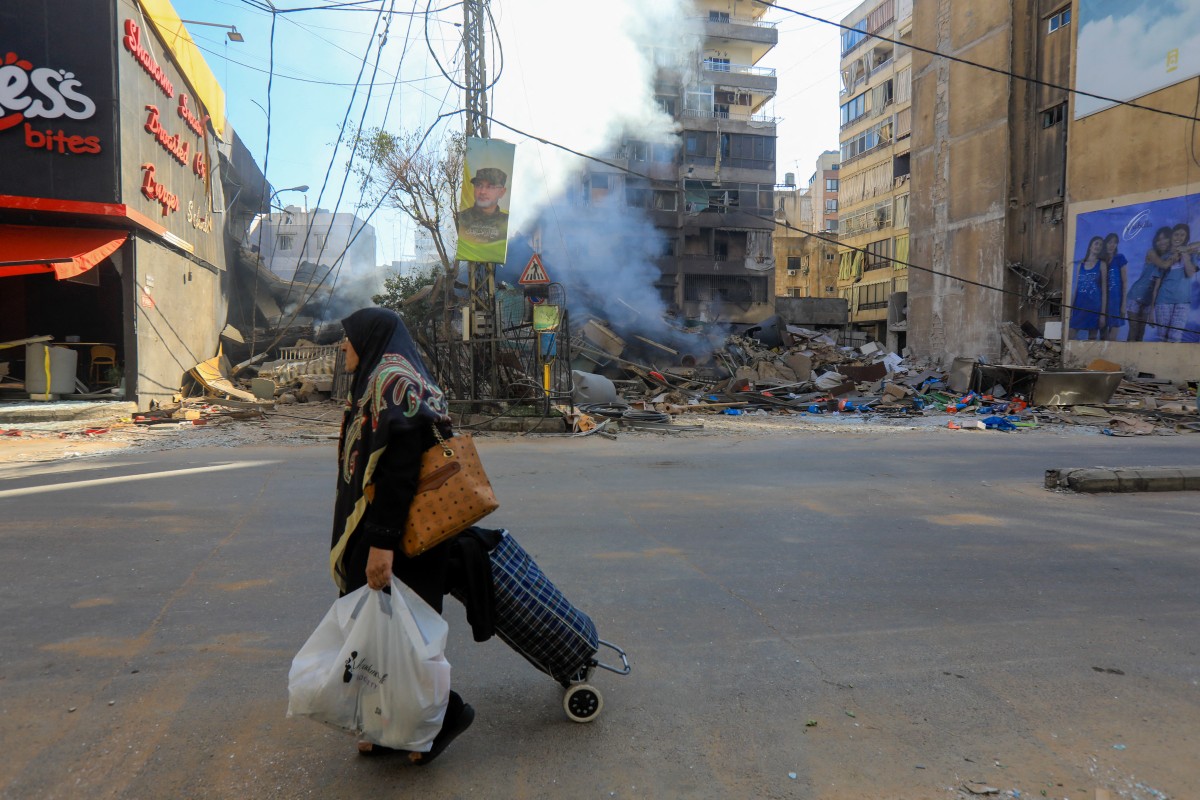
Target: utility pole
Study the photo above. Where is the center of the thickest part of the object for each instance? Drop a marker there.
(481, 323)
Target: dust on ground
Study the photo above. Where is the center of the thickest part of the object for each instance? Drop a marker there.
(316, 423)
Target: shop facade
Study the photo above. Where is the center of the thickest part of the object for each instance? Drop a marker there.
(112, 211)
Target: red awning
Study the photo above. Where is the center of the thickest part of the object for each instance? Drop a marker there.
(67, 252)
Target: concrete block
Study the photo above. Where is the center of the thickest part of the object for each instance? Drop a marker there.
(1093, 480)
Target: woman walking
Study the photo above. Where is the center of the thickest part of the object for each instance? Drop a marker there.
(388, 424)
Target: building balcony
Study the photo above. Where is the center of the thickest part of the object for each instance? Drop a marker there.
(729, 120)
(721, 30)
(740, 76)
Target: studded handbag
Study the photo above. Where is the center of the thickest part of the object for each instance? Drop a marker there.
(453, 493)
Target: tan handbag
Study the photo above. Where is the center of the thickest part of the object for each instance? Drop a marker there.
(453, 493)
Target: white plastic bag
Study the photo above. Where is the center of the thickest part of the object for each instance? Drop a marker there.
(376, 666)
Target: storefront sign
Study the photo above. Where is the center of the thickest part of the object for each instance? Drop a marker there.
(29, 94)
(199, 126)
(58, 131)
(168, 201)
(173, 144)
(133, 45)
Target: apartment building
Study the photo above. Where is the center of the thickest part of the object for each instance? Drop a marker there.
(873, 182)
(806, 266)
(823, 188)
(710, 192)
(301, 245)
(989, 172)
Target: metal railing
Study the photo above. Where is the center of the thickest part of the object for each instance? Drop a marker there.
(732, 20)
(737, 69)
(763, 119)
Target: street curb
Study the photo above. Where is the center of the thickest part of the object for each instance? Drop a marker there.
(1124, 479)
(71, 411)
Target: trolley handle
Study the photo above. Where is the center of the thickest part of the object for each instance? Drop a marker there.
(625, 670)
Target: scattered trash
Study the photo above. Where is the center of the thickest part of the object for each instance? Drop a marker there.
(976, 787)
(792, 775)
(812, 723)
(1118, 747)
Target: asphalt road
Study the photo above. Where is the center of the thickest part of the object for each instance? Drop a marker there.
(827, 616)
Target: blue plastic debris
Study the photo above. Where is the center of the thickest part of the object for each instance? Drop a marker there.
(998, 423)
(733, 412)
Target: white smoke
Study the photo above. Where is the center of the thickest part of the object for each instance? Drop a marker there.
(580, 85)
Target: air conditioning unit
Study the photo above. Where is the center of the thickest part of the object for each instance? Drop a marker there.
(791, 273)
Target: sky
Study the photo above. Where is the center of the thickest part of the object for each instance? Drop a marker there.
(569, 89)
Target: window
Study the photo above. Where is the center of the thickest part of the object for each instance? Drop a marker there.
(873, 296)
(729, 288)
(718, 16)
(868, 140)
(831, 184)
(793, 262)
(852, 38)
(853, 109)
(879, 254)
(1059, 20)
(717, 64)
(832, 226)
(637, 193)
(831, 206)
(901, 165)
(698, 99)
(663, 153)
(1053, 116)
(665, 201)
(599, 182)
(667, 104)
(285, 242)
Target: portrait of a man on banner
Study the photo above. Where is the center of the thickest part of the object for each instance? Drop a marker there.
(483, 207)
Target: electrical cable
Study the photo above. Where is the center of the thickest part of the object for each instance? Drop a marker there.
(376, 208)
(333, 160)
(353, 154)
(266, 184)
(976, 64)
(790, 227)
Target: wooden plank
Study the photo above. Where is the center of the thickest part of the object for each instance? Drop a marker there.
(21, 342)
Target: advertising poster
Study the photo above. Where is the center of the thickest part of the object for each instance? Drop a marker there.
(1135, 274)
(483, 207)
(1129, 48)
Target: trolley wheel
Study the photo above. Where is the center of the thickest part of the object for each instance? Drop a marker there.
(583, 702)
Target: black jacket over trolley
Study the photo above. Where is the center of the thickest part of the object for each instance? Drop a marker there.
(529, 613)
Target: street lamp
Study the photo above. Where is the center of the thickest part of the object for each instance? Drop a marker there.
(232, 33)
(301, 188)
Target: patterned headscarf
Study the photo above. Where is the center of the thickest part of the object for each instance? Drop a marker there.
(392, 391)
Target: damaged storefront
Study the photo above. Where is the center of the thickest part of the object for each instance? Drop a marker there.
(112, 251)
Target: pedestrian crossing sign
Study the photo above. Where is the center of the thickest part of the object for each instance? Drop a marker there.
(534, 272)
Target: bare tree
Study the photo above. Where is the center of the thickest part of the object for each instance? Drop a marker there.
(419, 181)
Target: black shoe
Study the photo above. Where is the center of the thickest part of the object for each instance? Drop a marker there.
(451, 728)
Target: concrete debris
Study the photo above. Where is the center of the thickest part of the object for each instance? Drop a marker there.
(791, 370)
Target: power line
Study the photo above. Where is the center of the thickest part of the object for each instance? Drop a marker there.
(978, 65)
(848, 248)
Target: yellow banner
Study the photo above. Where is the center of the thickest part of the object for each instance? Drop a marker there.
(191, 63)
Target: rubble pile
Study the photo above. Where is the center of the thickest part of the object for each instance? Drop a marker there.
(790, 370)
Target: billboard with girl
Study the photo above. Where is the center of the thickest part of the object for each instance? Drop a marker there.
(1136, 273)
